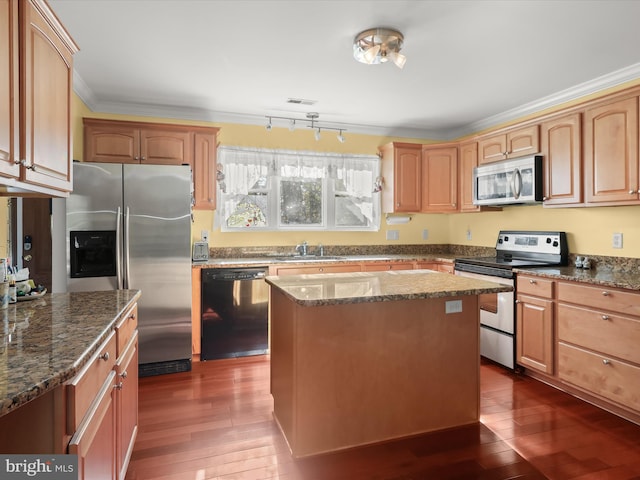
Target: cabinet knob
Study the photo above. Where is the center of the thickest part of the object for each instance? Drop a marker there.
(606, 362)
(632, 192)
(321, 269)
(118, 386)
(124, 374)
(143, 159)
(132, 316)
(517, 301)
(532, 282)
(606, 317)
(17, 162)
(544, 199)
(605, 294)
(105, 356)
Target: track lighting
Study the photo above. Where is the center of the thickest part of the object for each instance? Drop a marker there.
(311, 119)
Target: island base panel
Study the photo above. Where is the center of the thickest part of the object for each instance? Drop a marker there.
(345, 375)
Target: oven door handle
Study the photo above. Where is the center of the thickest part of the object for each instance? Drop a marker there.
(516, 183)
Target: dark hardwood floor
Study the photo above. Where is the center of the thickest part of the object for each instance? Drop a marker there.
(215, 422)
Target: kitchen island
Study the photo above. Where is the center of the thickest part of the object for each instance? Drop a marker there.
(361, 358)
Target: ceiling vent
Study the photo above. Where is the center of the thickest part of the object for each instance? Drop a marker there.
(301, 101)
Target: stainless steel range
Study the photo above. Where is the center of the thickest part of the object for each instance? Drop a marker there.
(514, 249)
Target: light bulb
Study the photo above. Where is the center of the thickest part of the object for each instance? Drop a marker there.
(341, 137)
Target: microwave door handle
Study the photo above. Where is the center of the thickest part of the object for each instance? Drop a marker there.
(118, 249)
(127, 247)
(516, 183)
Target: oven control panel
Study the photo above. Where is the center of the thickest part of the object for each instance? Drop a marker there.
(533, 242)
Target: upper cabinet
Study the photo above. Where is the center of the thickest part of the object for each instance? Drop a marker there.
(112, 141)
(130, 142)
(561, 147)
(36, 88)
(439, 178)
(611, 152)
(514, 143)
(401, 170)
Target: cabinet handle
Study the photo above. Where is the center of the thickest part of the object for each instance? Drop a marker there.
(606, 317)
(605, 294)
(105, 356)
(118, 386)
(532, 282)
(606, 362)
(23, 162)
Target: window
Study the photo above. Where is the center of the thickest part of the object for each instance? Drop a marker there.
(288, 190)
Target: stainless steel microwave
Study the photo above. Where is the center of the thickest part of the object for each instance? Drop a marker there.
(508, 182)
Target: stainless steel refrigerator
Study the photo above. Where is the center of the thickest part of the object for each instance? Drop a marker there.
(129, 227)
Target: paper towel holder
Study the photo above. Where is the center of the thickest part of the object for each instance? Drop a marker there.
(397, 219)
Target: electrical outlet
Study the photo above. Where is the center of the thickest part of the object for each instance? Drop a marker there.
(425, 234)
(468, 234)
(617, 240)
(393, 234)
(204, 234)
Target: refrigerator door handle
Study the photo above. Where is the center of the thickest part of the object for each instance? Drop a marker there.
(126, 249)
(118, 249)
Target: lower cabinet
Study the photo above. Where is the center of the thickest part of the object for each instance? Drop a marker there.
(386, 266)
(302, 270)
(102, 405)
(444, 267)
(534, 323)
(94, 441)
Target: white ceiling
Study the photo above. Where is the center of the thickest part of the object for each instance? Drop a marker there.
(470, 64)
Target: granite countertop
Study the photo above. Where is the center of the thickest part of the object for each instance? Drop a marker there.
(360, 287)
(47, 340)
(283, 259)
(602, 276)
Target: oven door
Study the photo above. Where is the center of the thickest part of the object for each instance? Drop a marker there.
(497, 321)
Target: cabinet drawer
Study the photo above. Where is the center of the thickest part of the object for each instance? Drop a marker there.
(125, 329)
(603, 332)
(612, 379)
(381, 267)
(604, 298)
(539, 287)
(84, 387)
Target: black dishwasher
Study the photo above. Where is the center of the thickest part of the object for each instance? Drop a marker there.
(234, 313)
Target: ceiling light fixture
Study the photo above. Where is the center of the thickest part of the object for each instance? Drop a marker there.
(311, 119)
(379, 45)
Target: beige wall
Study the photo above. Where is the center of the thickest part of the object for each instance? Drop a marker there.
(589, 229)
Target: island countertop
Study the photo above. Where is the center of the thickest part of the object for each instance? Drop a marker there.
(47, 340)
(361, 287)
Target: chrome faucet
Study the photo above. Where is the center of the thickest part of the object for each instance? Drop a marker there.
(320, 250)
(302, 248)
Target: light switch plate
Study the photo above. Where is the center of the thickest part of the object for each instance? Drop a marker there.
(393, 234)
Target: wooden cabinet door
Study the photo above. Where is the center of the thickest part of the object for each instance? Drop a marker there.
(95, 440)
(492, 149)
(561, 147)
(9, 96)
(439, 179)
(523, 141)
(110, 142)
(468, 161)
(407, 176)
(516, 143)
(126, 405)
(534, 334)
(611, 152)
(46, 126)
(166, 147)
(204, 171)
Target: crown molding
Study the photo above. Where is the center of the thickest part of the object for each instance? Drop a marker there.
(604, 82)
